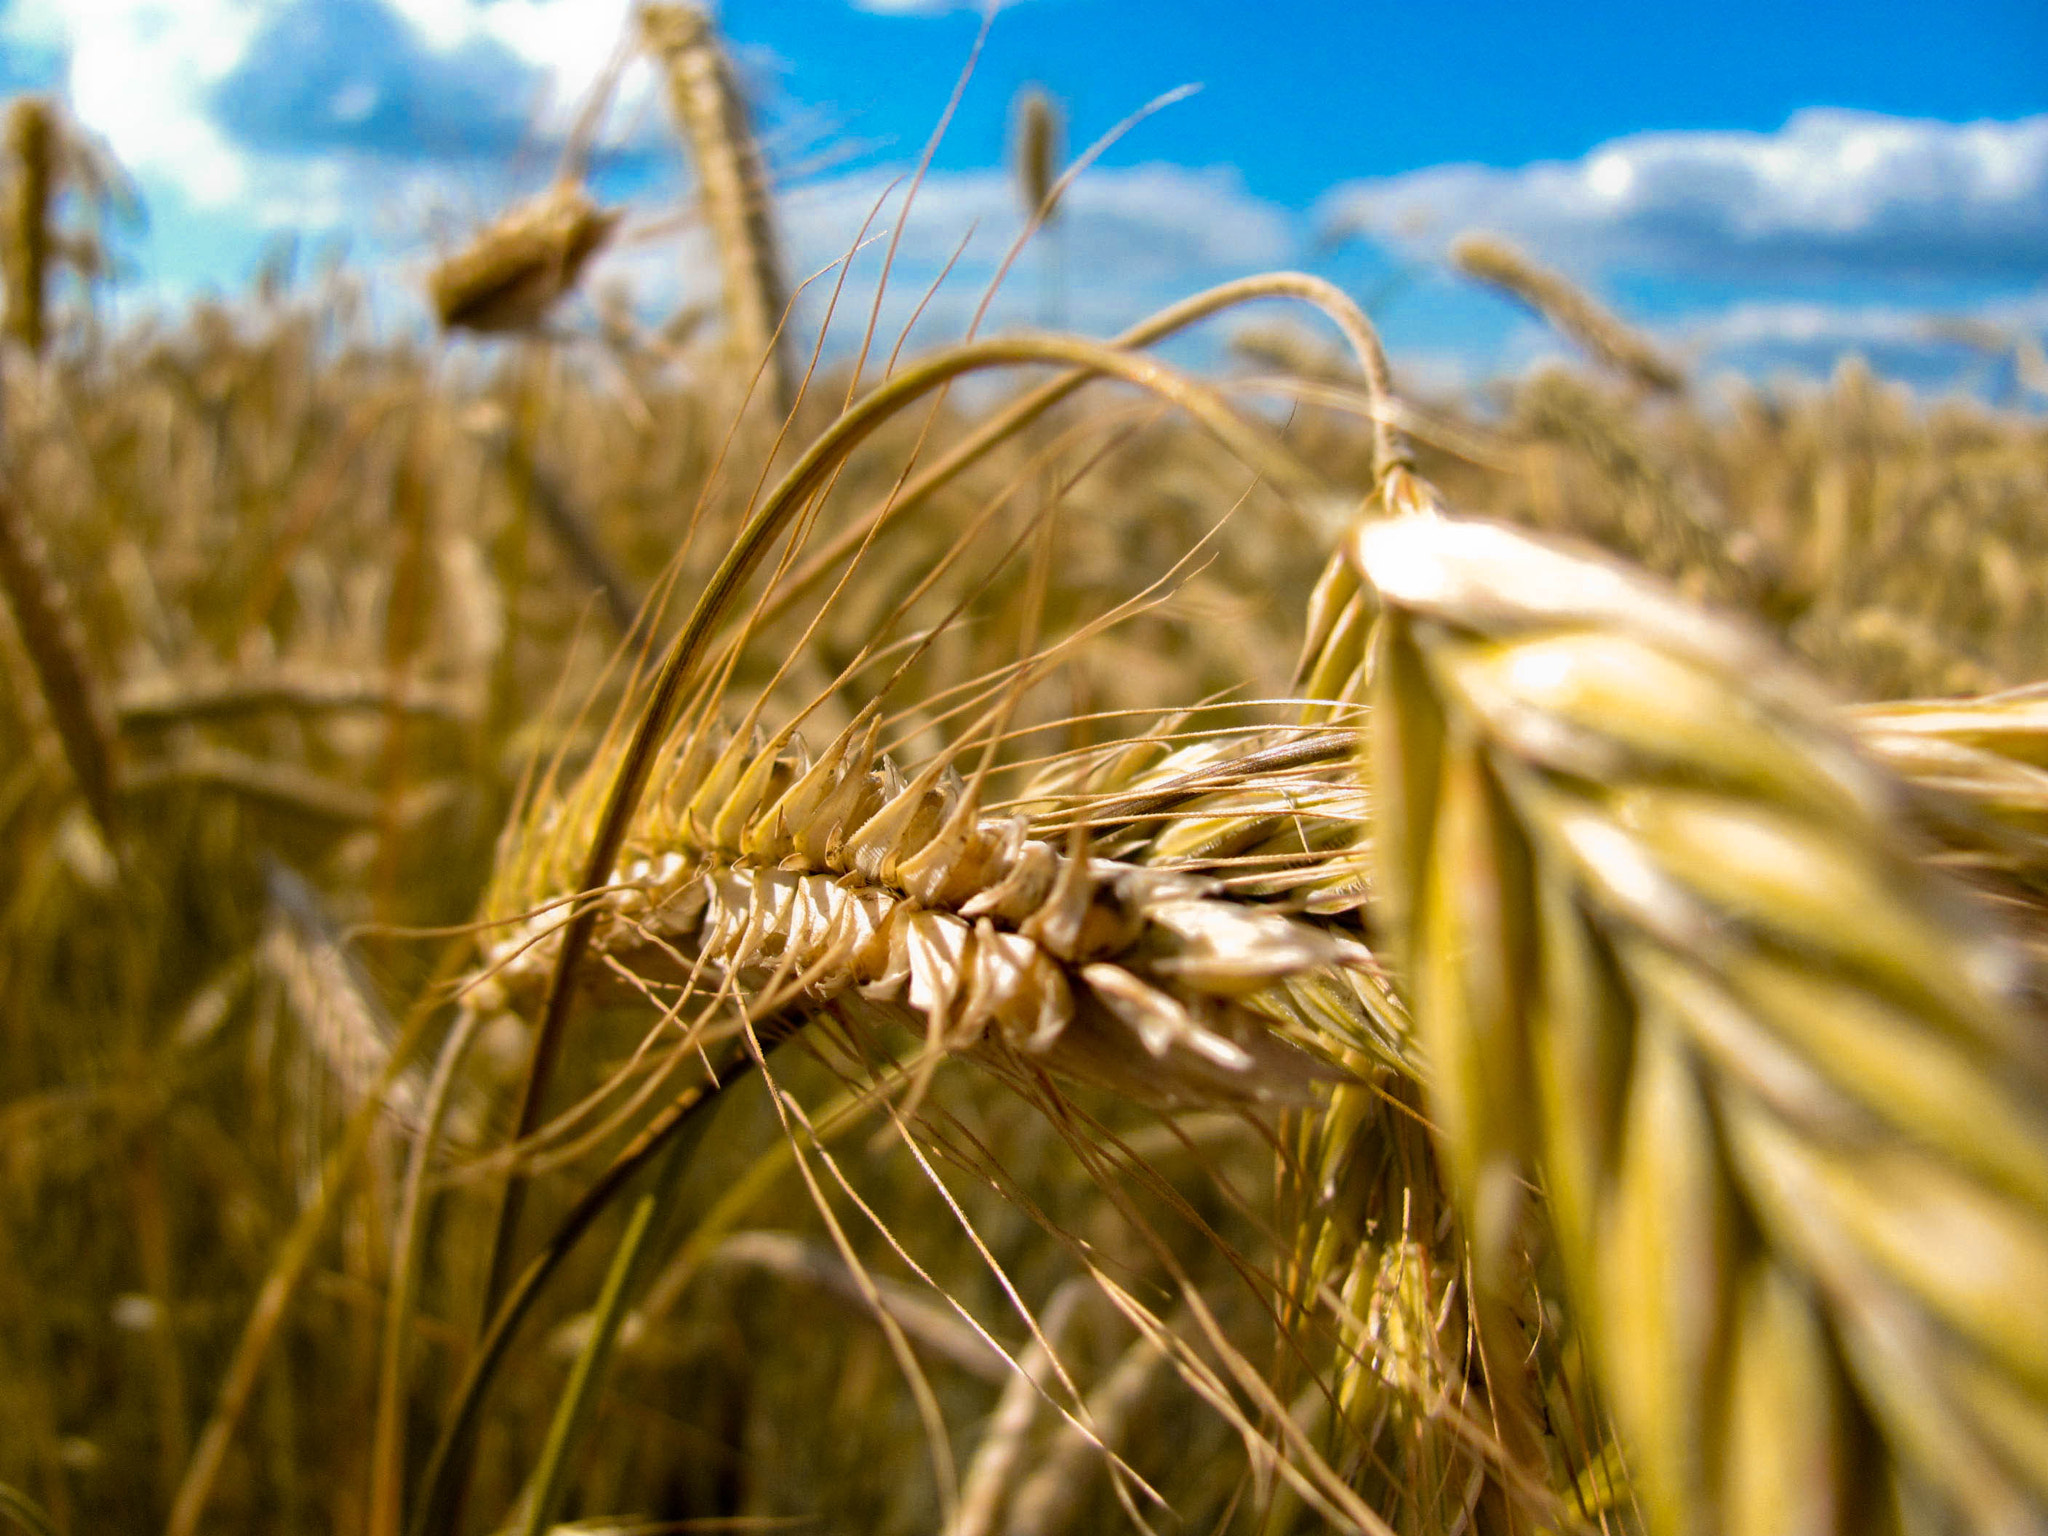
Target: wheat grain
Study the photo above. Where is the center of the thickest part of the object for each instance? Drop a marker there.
(804, 882)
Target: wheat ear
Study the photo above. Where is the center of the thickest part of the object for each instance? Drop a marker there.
(1671, 954)
(519, 267)
(31, 149)
(50, 634)
(1590, 325)
(705, 96)
(1039, 135)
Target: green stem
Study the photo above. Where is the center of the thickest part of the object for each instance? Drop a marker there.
(447, 1474)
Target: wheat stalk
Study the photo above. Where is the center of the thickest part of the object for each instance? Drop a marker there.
(173, 700)
(1670, 952)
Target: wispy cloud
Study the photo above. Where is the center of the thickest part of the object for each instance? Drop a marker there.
(1832, 194)
(1926, 348)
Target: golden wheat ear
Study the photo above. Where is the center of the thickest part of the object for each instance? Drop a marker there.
(1603, 335)
(1038, 134)
(49, 631)
(520, 267)
(732, 182)
(1673, 957)
(26, 241)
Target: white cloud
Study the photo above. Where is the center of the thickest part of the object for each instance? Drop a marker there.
(141, 73)
(152, 76)
(572, 39)
(1831, 194)
(1922, 346)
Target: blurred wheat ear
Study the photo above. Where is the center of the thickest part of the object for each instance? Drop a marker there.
(1598, 330)
(49, 631)
(1672, 957)
(732, 182)
(1038, 133)
(521, 266)
(25, 243)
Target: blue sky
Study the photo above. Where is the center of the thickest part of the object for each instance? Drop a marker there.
(1765, 185)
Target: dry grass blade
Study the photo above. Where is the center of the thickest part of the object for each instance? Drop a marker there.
(932, 1327)
(1602, 334)
(1003, 1444)
(1796, 1161)
(280, 1285)
(25, 1512)
(1045, 1504)
(444, 1481)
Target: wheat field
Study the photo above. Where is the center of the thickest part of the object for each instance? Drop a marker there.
(726, 938)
